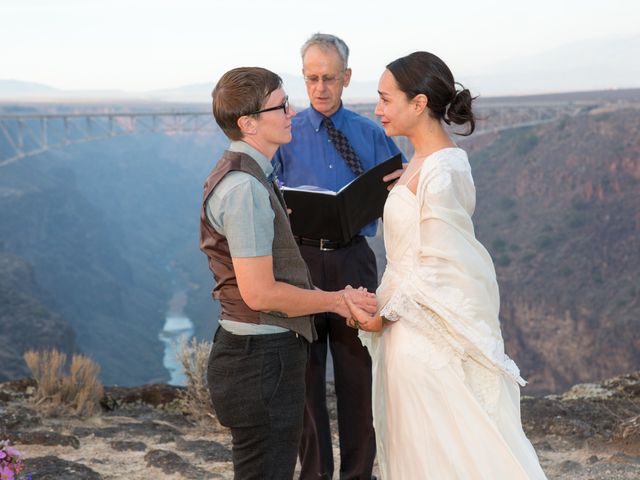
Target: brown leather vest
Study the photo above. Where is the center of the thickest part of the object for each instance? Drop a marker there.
(288, 265)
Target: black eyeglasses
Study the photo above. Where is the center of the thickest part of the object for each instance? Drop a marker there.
(284, 106)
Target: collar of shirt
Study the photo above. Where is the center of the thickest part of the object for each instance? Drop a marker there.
(315, 117)
(239, 146)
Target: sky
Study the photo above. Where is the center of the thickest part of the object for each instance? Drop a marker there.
(141, 45)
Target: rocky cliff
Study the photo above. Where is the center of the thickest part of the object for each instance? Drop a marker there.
(591, 431)
(25, 322)
(558, 208)
(110, 229)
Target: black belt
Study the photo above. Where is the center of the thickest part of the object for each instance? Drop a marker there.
(327, 245)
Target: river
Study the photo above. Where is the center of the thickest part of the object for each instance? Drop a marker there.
(176, 326)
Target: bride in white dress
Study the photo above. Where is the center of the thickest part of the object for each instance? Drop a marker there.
(446, 398)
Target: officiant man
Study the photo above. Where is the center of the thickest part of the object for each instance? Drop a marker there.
(330, 147)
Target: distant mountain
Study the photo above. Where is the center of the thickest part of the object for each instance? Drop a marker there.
(598, 64)
(19, 88)
(192, 93)
(358, 91)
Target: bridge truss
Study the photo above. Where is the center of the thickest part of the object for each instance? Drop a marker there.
(26, 135)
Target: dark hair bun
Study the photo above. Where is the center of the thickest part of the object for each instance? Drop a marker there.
(459, 111)
(425, 73)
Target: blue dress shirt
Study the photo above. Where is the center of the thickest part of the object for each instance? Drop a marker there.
(311, 159)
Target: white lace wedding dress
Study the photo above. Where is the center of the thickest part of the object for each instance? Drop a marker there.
(446, 398)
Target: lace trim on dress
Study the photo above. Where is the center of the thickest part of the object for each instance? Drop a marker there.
(452, 299)
(487, 351)
(434, 347)
(430, 336)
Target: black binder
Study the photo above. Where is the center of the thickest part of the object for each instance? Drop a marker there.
(339, 216)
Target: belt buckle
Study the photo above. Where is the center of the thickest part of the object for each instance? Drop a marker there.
(322, 247)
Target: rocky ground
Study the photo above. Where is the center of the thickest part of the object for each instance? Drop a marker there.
(590, 432)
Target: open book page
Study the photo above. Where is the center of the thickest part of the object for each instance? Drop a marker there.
(309, 188)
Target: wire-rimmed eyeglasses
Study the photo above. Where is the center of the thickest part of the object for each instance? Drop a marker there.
(329, 80)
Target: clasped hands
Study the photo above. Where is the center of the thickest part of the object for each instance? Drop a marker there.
(361, 308)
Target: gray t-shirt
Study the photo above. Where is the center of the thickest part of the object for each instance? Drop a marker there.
(239, 208)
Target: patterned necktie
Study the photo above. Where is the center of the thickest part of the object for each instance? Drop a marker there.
(343, 146)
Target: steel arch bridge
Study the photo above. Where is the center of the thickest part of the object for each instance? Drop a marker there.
(24, 135)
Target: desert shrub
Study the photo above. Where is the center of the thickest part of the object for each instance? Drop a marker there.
(503, 260)
(499, 245)
(78, 393)
(579, 204)
(575, 219)
(566, 271)
(526, 143)
(544, 241)
(601, 117)
(562, 123)
(506, 203)
(194, 357)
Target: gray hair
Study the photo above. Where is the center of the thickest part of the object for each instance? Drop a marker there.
(326, 41)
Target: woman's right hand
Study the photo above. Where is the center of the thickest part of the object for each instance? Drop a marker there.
(361, 319)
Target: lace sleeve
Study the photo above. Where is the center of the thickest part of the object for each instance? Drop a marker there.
(391, 311)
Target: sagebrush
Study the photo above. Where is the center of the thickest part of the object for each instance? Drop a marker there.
(77, 392)
(194, 357)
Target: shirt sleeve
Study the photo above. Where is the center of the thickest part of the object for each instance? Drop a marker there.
(239, 208)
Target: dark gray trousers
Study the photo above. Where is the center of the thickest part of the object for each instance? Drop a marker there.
(354, 265)
(257, 385)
